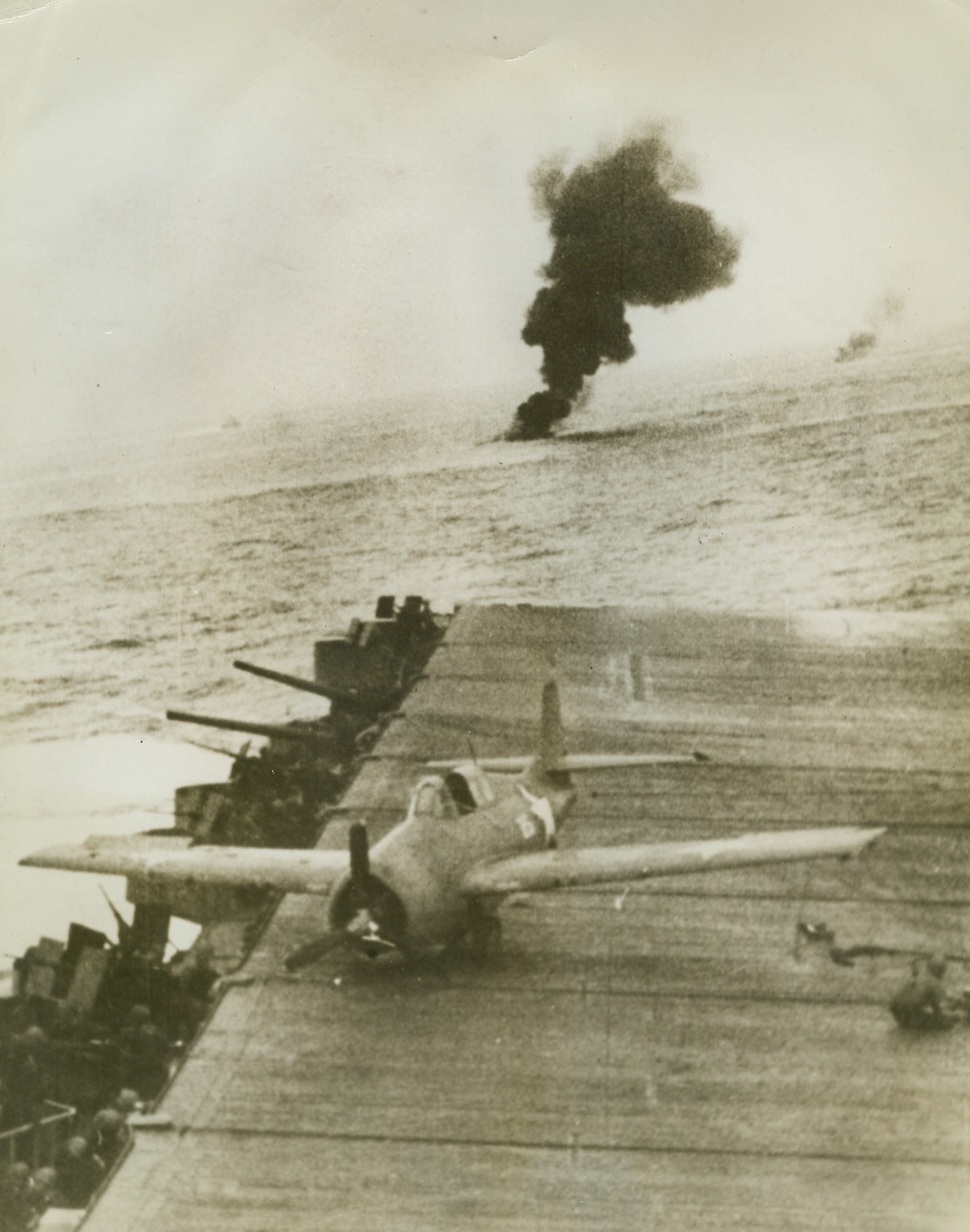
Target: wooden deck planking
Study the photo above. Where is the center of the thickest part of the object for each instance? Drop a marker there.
(841, 679)
(673, 1058)
(553, 1066)
(718, 635)
(302, 1184)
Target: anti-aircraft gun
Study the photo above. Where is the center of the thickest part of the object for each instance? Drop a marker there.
(364, 674)
(271, 798)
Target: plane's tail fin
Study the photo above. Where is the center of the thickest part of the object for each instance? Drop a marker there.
(546, 770)
(552, 740)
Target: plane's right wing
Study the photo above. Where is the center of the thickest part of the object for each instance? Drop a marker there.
(549, 870)
(573, 762)
(172, 858)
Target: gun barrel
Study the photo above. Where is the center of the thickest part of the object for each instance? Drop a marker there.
(281, 731)
(344, 697)
(294, 682)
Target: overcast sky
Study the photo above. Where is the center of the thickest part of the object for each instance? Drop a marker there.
(216, 207)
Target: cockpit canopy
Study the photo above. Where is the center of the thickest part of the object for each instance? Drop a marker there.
(463, 790)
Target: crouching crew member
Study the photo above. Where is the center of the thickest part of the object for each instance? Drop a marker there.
(922, 1004)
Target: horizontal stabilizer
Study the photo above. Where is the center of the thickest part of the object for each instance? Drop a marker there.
(160, 858)
(573, 762)
(550, 870)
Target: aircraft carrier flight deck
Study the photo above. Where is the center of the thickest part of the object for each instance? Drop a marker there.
(676, 1054)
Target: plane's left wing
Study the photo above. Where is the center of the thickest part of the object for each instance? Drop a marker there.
(549, 870)
(172, 858)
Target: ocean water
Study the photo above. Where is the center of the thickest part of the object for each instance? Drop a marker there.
(135, 572)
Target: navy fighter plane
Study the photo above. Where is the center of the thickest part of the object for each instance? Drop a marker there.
(475, 832)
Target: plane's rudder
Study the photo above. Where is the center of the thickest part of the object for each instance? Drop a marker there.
(552, 741)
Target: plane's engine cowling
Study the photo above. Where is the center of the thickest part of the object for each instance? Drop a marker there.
(356, 894)
(364, 912)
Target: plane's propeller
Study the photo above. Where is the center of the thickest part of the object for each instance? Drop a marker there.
(365, 912)
(359, 855)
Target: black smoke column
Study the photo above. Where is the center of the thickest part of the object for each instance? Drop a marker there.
(887, 309)
(858, 345)
(619, 237)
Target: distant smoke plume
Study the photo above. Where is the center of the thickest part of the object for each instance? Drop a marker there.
(858, 345)
(888, 308)
(619, 237)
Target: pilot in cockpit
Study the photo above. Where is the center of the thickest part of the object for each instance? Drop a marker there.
(462, 791)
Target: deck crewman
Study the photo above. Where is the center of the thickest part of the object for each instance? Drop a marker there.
(921, 1004)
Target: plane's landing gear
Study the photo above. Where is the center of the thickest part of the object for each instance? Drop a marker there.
(483, 940)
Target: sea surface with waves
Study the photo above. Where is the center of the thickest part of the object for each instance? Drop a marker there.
(134, 573)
